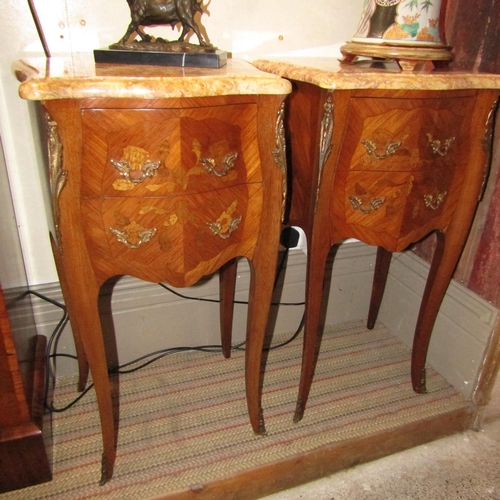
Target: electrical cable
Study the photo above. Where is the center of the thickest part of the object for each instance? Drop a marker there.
(156, 355)
(216, 301)
(53, 339)
(243, 302)
(161, 354)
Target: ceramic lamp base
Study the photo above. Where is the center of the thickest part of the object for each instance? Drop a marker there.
(408, 57)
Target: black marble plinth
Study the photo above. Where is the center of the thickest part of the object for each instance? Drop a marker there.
(215, 59)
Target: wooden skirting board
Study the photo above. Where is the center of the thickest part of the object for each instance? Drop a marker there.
(464, 327)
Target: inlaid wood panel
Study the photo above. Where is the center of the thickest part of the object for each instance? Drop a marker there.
(166, 152)
(399, 171)
(174, 239)
(404, 135)
(405, 206)
(134, 136)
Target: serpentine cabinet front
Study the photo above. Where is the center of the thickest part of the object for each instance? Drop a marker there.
(165, 190)
(387, 167)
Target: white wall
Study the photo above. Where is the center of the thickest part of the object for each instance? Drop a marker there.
(246, 28)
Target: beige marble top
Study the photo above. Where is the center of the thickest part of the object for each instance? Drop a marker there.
(328, 73)
(78, 77)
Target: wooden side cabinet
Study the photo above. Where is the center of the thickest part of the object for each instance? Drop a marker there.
(167, 175)
(386, 157)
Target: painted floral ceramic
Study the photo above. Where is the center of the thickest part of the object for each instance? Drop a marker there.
(414, 22)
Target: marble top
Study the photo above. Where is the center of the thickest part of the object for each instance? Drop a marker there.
(78, 77)
(328, 73)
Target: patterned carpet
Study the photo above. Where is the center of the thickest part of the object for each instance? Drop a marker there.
(183, 419)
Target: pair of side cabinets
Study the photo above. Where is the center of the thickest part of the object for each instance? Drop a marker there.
(172, 188)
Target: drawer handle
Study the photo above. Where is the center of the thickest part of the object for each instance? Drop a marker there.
(390, 149)
(143, 236)
(148, 169)
(366, 208)
(227, 164)
(218, 229)
(437, 148)
(434, 201)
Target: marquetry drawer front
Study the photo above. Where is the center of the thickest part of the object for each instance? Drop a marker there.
(400, 202)
(168, 152)
(406, 134)
(177, 239)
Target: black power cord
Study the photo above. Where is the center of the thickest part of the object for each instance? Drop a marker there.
(53, 339)
(288, 240)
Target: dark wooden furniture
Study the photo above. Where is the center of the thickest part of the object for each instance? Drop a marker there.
(168, 175)
(24, 458)
(379, 160)
(25, 445)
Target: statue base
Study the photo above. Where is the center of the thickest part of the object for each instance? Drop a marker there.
(162, 54)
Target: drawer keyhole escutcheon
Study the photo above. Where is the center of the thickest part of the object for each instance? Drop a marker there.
(434, 201)
(143, 236)
(371, 149)
(439, 148)
(218, 229)
(147, 170)
(366, 207)
(228, 161)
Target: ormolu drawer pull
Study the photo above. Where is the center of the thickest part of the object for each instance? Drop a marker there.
(371, 149)
(437, 148)
(222, 230)
(368, 207)
(143, 236)
(227, 164)
(148, 169)
(434, 201)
